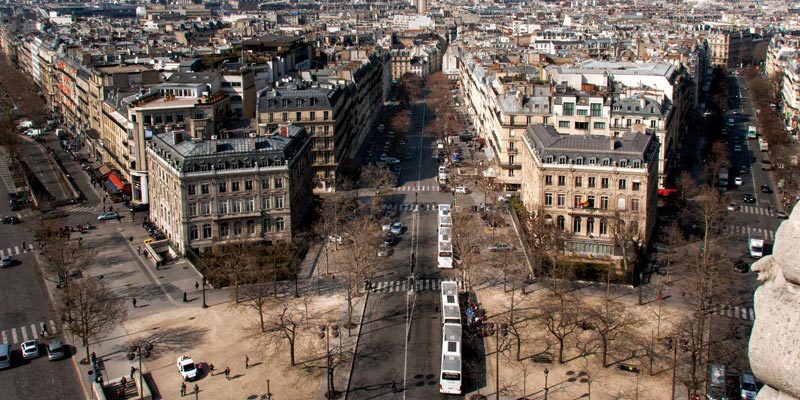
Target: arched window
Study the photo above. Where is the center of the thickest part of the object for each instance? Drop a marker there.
(576, 224)
(194, 234)
(266, 225)
(603, 227)
(279, 224)
(251, 227)
(237, 228)
(206, 231)
(560, 222)
(589, 226)
(224, 229)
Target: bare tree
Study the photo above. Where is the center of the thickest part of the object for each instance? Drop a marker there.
(560, 310)
(608, 321)
(229, 264)
(63, 258)
(256, 296)
(626, 233)
(287, 319)
(376, 178)
(357, 260)
(466, 242)
(90, 310)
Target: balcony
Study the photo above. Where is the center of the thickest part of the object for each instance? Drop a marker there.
(512, 151)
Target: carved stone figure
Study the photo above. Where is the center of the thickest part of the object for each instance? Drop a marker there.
(775, 341)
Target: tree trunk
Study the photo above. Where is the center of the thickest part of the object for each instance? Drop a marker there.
(561, 350)
(291, 349)
(261, 318)
(605, 352)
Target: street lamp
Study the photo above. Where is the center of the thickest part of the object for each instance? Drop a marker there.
(503, 330)
(546, 389)
(141, 349)
(683, 342)
(323, 334)
(204, 291)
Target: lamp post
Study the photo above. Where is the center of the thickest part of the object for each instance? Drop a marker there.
(683, 342)
(502, 330)
(140, 349)
(204, 291)
(326, 331)
(546, 389)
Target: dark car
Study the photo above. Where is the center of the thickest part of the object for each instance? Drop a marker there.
(140, 207)
(11, 220)
(765, 189)
(15, 206)
(389, 239)
(741, 265)
(748, 198)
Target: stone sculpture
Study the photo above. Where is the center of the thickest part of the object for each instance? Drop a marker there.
(774, 349)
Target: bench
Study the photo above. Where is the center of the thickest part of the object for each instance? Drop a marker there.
(629, 368)
(542, 359)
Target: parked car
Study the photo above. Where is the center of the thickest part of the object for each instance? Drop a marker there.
(397, 228)
(389, 239)
(781, 215)
(500, 247)
(741, 265)
(53, 214)
(11, 220)
(187, 368)
(737, 148)
(30, 349)
(108, 216)
(744, 170)
(738, 181)
(55, 350)
(748, 198)
(462, 190)
(504, 198)
(393, 161)
(140, 207)
(384, 251)
(765, 189)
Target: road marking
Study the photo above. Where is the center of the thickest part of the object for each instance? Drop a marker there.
(34, 331)
(24, 333)
(14, 335)
(5, 337)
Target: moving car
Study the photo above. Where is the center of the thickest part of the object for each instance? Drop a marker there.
(737, 148)
(738, 181)
(30, 349)
(187, 368)
(108, 216)
(748, 198)
(11, 220)
(741, 265)
(6, 261)
(732, 207)
(53, 214)
(500, 247)
(781, 215)
(749, 388)
(55, 350)
(462, 190)
(744, 170)
(765, 189)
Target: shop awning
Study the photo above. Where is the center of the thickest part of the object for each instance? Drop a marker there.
(103, 171)
(113, 183)
(110, 186)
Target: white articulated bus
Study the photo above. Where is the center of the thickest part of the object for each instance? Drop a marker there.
(450, 376)
(444, 257)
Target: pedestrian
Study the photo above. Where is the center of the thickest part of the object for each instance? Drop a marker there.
(133, 370)
(185, 300)
(123, 381)
(119, 218)
(246, 362)
(139, 250)
(227, 373)
(211, 368)
(394, 386)
(196, 285)
(44, 329)
(94, 358)
(24, 246)
(183, 389)
(196, 388)
(134, 302)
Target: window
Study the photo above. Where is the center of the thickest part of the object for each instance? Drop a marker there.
(623, 184)
(158, 119)
(191, 190)
(222, 207)
(168, 118)
(569, 109)
(224, 229)
(179, 117)
(266, 225)
(248, 185)
(578, 201)
(576, 224)
(548, 180)
(562, 159)
(589, 226)
(191, 209)
(590, 201)
(562, 180)
(235, 186)
(578, 181)
(204, 188)
(223, 187)
(560, 222)
(298, 116)
(563, 124)
(548, 199)
(251, 227)
(271, 117)
(592, 181)
(621, 204)
(264, 184)
(249, 205)
(266, 203)
(582, 125)
(604, 202)
(603, 227)
(237, 228)
(597, 109)
(236, 206)
(205, 208)
(562, 200)
(206, 231)
(194, 234)
(285, 117)
(634, 204)
(599, 125)
(278, 201)
(604, 183)
(279, 224)
(583, 112)
(278, 183)
(636, 185)
(312, 116)
(325, 115)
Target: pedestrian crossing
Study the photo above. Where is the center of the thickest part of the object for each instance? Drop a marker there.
(417, 188)
(760, 233)
(735, 312)
(84, 209)
(756, 210)
(404, 285)
(412, 206)
(29, 332)
(16, 250)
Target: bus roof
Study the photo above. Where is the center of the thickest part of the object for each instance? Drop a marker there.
(445, 221)
(451, 363)
(452, 314)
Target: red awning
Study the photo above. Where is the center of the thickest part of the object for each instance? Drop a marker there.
(115, 180)
(667, 192)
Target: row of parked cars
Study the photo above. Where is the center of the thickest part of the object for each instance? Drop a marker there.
(30, 350)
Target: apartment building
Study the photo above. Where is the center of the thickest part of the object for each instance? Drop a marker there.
(217, 191)
(589, 185)
(732, 47)
(790, 93)
(781, 50)
(582, 113)
(640, 113)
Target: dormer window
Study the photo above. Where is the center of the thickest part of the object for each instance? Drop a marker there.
(548, 159)
(562, 159)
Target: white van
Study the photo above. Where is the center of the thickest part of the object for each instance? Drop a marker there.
(749, 388)
(5, 356)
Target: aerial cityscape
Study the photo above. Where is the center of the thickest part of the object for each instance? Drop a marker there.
(243, 199)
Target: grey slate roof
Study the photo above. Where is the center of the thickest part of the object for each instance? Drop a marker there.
(632, 145)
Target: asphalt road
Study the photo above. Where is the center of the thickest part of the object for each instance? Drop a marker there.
(26, 307)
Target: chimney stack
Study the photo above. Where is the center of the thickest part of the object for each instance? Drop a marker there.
(613, 142)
